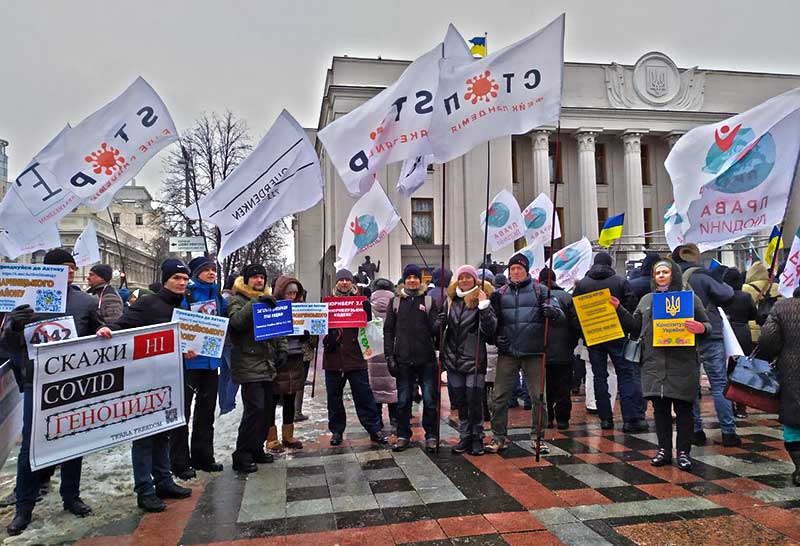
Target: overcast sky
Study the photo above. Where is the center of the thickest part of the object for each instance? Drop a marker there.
(60, 61)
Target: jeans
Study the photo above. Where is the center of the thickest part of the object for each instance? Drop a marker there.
(227, 389)
(258, 413)
(520, 391)
(508, 368)
(467, 397)
(712, 357)
(559, 384)
(150, 459)
(629, 381)
(362, 399)
(426, 377)
(662, 409)
(202, 386)
(28, 481)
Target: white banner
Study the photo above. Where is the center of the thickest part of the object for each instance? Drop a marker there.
(43, 287)
(44, 240)
(506, 224)
(535, 255)
(505, 93)
(393, 125)
(539, 221)
(279, 178)
(92, 393)
(49, 330)
(311, 318)
(200, 332)
(732, 346)
(86, 250)
(413, 174)
(733, 178)
(371, 219)
(572, 262)
(790, 277)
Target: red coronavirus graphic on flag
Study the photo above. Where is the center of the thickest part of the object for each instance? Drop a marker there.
(106, 158)
(481, 87)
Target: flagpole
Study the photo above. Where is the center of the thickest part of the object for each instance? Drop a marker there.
(123, 274)
(443, 289)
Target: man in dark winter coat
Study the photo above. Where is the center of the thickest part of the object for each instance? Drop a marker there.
(200, 381)
(409, 345)
(711, 348)
(440, 283)
(111, 305)
(602, 275)
(150, 456)
(640, 284)
(83, 310)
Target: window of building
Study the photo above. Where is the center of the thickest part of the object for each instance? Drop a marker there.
(648, 226)
(645, 165)
(555, 164)
(116, 218)
(140, 219)
(602, 216)
(600, 163)
(422, 220)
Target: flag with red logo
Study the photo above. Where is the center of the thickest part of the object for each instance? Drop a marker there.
(370, 221)
(508, 92)
(393, 125)
(539, 219)
(733, 178)
(506, 224)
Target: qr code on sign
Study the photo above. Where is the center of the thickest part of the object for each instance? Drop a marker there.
(48, 301)
(171, 415)
(318, 327)
(210, 346)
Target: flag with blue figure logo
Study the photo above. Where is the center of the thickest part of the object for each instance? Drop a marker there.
(506, 224)
(539, 220)
(370, 221)
(571, 263)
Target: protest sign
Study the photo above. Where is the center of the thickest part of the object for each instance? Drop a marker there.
(598, 318)
(732, 346)
(200, 332)
(346, 312)
(311, 318)
(272, 322)
(671, 310)
(43, 287)
(45, 331)
(91, 393)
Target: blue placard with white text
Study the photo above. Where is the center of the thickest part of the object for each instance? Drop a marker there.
(269, 323)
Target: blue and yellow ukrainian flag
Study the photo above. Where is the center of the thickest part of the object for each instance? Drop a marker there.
(478, 46)
(775, 243)
(612, 230)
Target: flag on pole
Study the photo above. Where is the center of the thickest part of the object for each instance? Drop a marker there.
(45, 240)
(535, 254)
(790, 277)
(506, 224)
(714, 264)
(370, 221)
(86, 250)
(506, 93)
(733, 178)
(612, 230)
(478, 48)
(279, 178)
(413, 174)
(393, 125)
(571, 263)
(539, 219)
(775, 244)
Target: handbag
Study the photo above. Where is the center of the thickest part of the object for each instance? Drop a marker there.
(633, 350)
(754, 383)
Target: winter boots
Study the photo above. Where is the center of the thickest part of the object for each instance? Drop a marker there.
(794, 452)
(287, 433)
(273, 445)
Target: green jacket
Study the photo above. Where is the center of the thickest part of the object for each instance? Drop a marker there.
(251, 360)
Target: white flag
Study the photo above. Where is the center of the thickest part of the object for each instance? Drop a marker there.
(539, 221)
(44, 240)
(86, 250)
(506, 224)
(371, 219)
(732, 346)
(413, 174)
(393, 125)
(535, 255)
(572, 262)
(790, 277)
(279, 178)
(506, 93)
(733, 178)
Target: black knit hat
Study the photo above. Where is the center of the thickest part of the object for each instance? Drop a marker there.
(603, 258)
(412, 269)
(58, 256)
(198, 264)
(519, 259)
(172, 267)
(344, 274)
(103, 271)
(253, 270)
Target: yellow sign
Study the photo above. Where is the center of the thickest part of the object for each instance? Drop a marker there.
(598, 318)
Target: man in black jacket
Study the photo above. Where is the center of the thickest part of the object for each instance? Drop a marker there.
(640, 283)
(602, 275)
(83, 309)
(409, 344)
(150, 455)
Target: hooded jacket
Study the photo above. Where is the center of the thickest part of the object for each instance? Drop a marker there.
(203, 297)
(383, 385)
(409, 335)
(462, 339)
(292, 377)
(110, 305)
(604, 276)
(780, 339)
(667, 372)
(439, 290)
(757, 285)
(712, 292)
(251, 360)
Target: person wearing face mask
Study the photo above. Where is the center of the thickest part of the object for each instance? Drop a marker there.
(670, 375)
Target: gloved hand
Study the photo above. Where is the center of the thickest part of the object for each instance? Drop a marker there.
(281, 359)
(268, 300)
(502, 343)
(331, 341)
(392, 366)
(306, 336)
(20, 316)
(441, 318)
(550, 312)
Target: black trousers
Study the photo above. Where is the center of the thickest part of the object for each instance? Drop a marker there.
(200, 385)
(287, 401)
(559, 384)
(662, 408)
(257, 401)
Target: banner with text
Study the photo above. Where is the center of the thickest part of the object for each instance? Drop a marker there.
(671, 310)
(269, 322)
(311, 318)
(43, 287)
(346, 312)
(200, 332)
(790, 277)
(598, 318)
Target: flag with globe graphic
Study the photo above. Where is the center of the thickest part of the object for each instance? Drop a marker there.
(539, 221)
(571, 263)
(733, 178)
(506, 224)
(370, 221)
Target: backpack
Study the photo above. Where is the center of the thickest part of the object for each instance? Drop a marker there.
(428, 304)
(686, 274)
(764, 304)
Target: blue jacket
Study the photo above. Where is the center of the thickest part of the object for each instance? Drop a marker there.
(198, 296)
(713, 293)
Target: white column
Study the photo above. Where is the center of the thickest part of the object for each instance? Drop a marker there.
(541, 162)
(587, 180)
(634, 196)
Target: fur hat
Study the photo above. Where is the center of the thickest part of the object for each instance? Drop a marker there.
(688, 253)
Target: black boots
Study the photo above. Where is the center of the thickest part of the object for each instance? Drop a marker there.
(794, 452)
(20, 522)
(662, 458)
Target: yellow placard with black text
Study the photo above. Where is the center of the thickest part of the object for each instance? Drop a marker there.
(598, 318)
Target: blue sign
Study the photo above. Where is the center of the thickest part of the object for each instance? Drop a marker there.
(269, 323)
(671, 310)
(714, 264)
